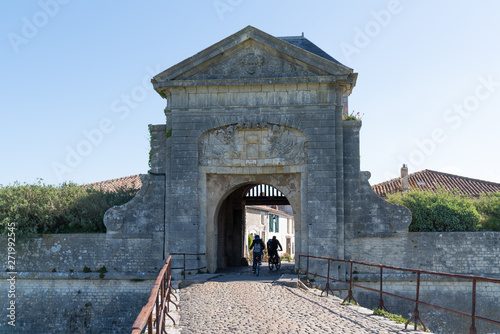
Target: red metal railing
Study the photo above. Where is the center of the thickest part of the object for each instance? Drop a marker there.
(153, 314)
(184, 269)
(415, 315)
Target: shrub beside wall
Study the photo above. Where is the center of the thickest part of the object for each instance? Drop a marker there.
(488, 207)
(443, 211)
(39, 208)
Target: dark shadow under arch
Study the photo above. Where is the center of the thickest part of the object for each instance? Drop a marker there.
(230, 225)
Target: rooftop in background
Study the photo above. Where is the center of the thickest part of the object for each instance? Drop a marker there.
(132, 181)
(432, 180)
(269, 209)
(305, 44)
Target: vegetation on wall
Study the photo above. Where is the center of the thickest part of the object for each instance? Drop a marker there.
(353, 116)
(151, 139)
(488, 207)
(39, 208)
(448, 211)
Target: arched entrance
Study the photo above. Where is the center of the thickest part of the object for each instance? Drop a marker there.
(226, 213)
(244, 212)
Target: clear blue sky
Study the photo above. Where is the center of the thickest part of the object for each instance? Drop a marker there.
(428, 85)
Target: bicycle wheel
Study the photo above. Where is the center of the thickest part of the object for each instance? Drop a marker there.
(257, 269)
(278, 263)
(271, 263)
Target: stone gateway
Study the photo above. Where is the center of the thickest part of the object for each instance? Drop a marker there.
(255, 109)
(249, 110)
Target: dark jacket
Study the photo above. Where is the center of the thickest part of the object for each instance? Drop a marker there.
(275, 243)
(259, 241)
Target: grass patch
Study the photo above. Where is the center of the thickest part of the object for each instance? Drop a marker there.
(395, 317)
(349, 302)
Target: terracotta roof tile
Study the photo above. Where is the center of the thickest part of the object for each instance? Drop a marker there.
(432, 180)
(133, 181)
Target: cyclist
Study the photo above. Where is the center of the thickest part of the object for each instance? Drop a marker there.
(272, 248)
(258, 248)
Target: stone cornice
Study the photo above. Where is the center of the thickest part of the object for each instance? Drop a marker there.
(347, 79)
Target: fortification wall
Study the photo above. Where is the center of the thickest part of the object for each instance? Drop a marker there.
(87, 305)
(78, 283)
(475, 253)
(470, 253)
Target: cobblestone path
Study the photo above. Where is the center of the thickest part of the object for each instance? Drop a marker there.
(241, 304)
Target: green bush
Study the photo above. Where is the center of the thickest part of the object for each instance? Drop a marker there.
(443, 211)
(39, 208)
(488, 206)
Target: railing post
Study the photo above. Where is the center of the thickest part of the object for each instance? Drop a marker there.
(150, 324)
(307, 271)
(164, 301)
(381, 305)
(473, 329)
(416, 302)
(158, 305)
(298, 271)
(349, 294)
(416, 316)
(327, 286)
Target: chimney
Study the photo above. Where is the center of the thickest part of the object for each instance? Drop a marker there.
(404, 178)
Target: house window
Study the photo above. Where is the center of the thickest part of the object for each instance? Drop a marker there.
(274, 224)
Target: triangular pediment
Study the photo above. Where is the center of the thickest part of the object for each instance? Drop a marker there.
(252, 59)
(251, 54)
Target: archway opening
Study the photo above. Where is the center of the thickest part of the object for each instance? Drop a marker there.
(250, 210)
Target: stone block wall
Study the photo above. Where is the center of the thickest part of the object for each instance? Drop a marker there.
(143, 216)
(80, 283)
(233, 136)
(225, 95)
(68, 254)
(469, 253)
(93, 305)
(474, 253)
(366, 214)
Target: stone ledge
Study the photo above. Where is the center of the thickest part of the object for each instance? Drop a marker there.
(412, 277)
(252, 81)
(26, 275)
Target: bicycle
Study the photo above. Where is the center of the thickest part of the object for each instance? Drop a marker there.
(256, 265)
(275, 262)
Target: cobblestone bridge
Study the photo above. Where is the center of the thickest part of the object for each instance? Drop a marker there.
(239, 302)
